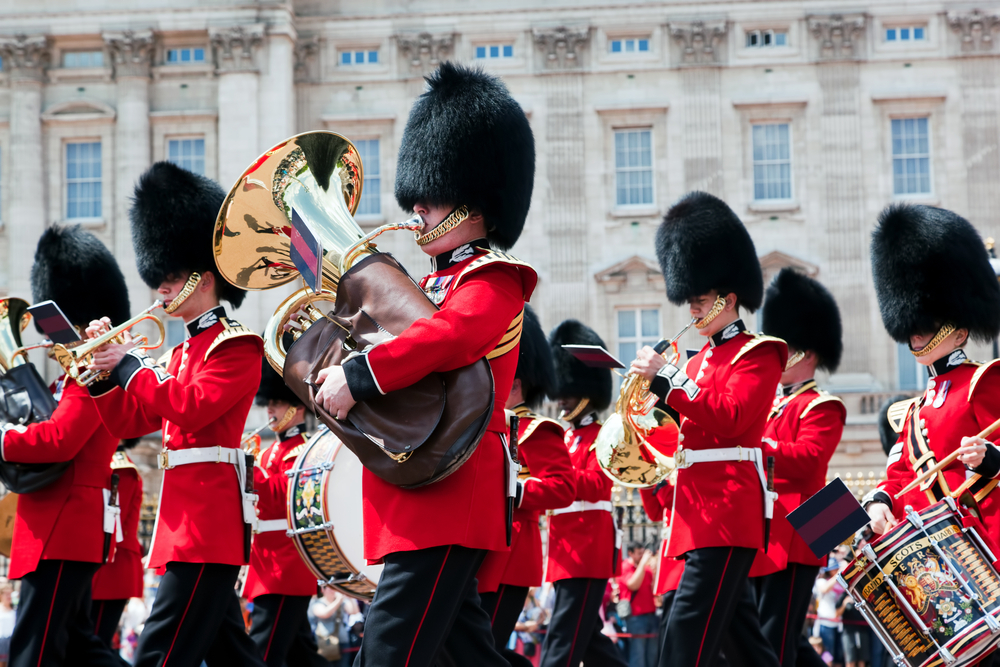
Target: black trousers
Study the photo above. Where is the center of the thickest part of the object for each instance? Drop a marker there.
(196, 616)
(105, 615)
(575, 628)
(280, 629)
(668, 602)
(782, 601)
(53, 620)
(714, 608)
(426, 601)
(504, 607)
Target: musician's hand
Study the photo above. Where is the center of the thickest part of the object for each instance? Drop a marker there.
(98, 327)
(647, 363)
(335, 396)
(972, 451)
(882, 518)
(106, 357)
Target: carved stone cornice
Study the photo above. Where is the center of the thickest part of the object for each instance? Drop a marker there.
(235, 47)
(305, 52)
(25, 57)
(838, 35)
(699, 41)
(975, 29)
(424, 50)
(131, 52)
(561, 46)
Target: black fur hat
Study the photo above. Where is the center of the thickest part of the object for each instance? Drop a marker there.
(573, 378)
(535, 369)
(468, 142)
(703, 246)
(931, 268)
(74, 269)
(272, 387)
(173, 221)
(803, 313)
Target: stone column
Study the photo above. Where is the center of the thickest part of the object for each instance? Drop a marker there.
(25, 59)
(277, 89)
(130, 54)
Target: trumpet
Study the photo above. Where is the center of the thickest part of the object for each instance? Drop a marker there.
(75, 358)
(251, 441)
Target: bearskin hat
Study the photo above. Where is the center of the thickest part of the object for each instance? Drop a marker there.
(128, 443)
(468, 142)
(535, 369)
(273, 388)
(802, 312)
(573, 377)
(931, 268)
(173, 221)
(703, 246)
(74, 269)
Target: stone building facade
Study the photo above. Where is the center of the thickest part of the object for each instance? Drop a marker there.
(807, 117)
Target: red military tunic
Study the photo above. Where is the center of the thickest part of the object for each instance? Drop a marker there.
(275, 564)
(121, 578)
(960, 400)
(721, 504)
(803, 430)
(658, 503)
(482, 296)
(65, 520)
(551, 483)
(201, 400)
(584, 545)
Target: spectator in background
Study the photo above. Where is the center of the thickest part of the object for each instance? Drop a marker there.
(531, 620)
(636, 585)
(855, 633)
(828, 592)
(335, 615)
(6, 622)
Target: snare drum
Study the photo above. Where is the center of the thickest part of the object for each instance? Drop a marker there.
(928, 589)
(324, 512)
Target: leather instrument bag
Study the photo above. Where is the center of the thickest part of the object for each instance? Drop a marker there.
(431, 427)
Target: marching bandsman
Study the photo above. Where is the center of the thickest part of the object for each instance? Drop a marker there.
(584, 542)
(59, 530)
(278, 582)
(935, 290)
(121, 579)
(466, 167)
(803, 430)
(723, 395)
(547, 480)
(657, 502)
(200, 399)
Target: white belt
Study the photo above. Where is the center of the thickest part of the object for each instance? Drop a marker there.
(685, 458)
(585, 506)
(171, 458)
(270, 525)
(112, 517)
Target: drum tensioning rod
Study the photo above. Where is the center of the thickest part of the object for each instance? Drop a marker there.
(918, 523)
(874, 624)
(945, 654)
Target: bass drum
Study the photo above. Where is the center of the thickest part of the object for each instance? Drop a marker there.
(324, 512)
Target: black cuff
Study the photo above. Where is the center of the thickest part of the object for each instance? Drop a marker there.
(660, 386)
(123, 372)
(360, 380)
(990, 467)
(100, 387)
(877, 497)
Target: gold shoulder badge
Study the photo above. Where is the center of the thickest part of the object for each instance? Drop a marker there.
(492, 257)
(898, 411)
(536, 420)
(823, 397)
(510, 338)
(230, 329)
(295, 451)
(758, 339)
(979, 374)
(121, 460)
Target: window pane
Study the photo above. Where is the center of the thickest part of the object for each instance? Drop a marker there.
(616, 46)
(199, 55)
(644, 45)
(345, 58)
(185, 55)
(480, 51)
(890, 35)
(629, 45)
(626, 323)
(780, 39)
(767, 38)
(904, 33)
(772, 170)
(918, 33)
(373, 56)
(650, 323)
(359, 57)
(626, 352)
(508, 51)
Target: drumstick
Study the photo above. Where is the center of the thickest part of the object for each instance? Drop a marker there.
(945, 462)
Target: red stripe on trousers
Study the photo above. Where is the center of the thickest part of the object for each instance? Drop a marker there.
(48, 619)
(274, 626)
(576, 632)
(496, 609)
(184, 615)
(725, 568)
(788, 611)
(429, 601)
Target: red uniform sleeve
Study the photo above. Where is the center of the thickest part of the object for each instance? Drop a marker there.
(986, 400)
(57, 439)
(592, 485)
(131, 507)
(552, 484)
(129, 417)
(748, 392)
(657, 503)
(473, 320)
(817, 438)
(898, 472)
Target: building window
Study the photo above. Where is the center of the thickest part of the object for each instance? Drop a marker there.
(911, 157)
(176, 332)
(628, 45)
(187, 153)
(636, 328)
(772, 162)
(494, 51)
(83, 180)
(83, 59)
(911, 33)
(633, 167)
(912, 376)
(359, 57)
(371, 191)
(762, 38)
(186, 55)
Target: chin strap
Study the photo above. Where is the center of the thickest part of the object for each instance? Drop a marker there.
(717, 307)
(454, 219)
(188, 290)
(282, 423)
(939, 337)
(575, 412)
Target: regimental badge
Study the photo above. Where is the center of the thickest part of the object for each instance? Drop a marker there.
(462, 253)
(207, 320)
(730, 331)
(436, 288)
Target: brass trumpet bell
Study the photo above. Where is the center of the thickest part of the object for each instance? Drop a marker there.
(624, 450)
(14, 318)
